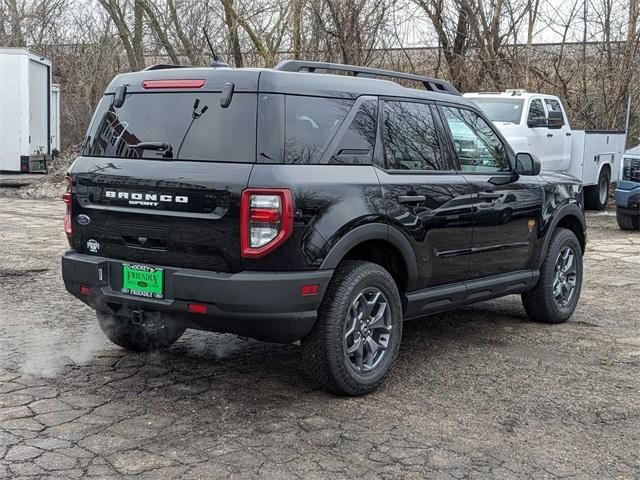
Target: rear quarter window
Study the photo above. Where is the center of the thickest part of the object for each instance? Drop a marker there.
(192, 124)
(310, 125)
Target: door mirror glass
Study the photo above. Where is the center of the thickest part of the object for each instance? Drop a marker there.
(527, 164)
(555, 119)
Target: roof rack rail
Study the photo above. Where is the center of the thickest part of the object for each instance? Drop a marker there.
(429, 83)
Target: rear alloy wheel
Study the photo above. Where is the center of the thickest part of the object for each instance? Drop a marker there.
(356, 337)
(597, 196)
(627, 222)
(156, 332)
(367, 330)
(555, 297)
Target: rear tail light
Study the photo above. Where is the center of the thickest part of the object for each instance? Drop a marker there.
(266, 220)
(67, 198)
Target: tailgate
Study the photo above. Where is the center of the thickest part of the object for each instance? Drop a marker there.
(181, 214)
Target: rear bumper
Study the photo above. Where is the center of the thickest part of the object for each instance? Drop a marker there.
(266, 306)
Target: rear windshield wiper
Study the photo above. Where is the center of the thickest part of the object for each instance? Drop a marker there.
(156, 146)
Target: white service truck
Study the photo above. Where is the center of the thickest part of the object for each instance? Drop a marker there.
(538, 124)
(29, 111)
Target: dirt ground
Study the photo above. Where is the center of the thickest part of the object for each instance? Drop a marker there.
(478, 393)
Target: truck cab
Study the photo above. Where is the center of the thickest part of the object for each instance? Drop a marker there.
(538, 123)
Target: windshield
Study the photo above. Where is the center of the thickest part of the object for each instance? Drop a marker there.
(501, 109)
(174, 126)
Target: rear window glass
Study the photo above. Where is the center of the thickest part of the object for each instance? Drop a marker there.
(179, 126)
(410, 140)
(310, 125)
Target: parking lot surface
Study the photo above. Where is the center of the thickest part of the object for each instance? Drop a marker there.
(478, 393)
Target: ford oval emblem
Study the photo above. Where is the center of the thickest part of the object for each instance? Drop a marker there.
(83, 219)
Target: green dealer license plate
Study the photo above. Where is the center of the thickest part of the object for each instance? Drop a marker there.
(142, 281)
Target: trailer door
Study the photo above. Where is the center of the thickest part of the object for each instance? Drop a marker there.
(38, 108)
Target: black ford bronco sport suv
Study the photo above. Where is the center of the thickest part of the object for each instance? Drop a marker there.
(292, 204)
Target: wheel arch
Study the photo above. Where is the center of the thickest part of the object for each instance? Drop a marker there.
(572, 218)
(382, 245)
(606, 166)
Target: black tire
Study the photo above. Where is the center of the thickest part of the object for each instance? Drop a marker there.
(627, 222)
(324, 350)
(157, 332)
(593, 200)
(541, 303)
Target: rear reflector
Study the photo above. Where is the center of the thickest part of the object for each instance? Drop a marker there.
(84, 290)
(156, 84)
(309, 290)
(197, 308)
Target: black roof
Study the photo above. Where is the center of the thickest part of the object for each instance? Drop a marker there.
(267, 80)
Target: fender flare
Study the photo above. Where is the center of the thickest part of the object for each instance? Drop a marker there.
(374, 231)
(570, 209)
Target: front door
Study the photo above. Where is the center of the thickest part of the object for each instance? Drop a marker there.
(507, 208)
(427, 200)
(538, 136)
(559, 156)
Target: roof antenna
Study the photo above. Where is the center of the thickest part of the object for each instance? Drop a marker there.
(217, 60)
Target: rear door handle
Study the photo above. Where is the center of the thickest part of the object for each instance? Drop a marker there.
(411, 198)
(549, 135)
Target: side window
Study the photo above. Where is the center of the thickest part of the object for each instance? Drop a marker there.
(410, 138)
(310, 124)
(357, 144)
(478, 147)
(553, 105)
(536, 110)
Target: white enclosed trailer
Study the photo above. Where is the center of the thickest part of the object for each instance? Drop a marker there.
(25, 111)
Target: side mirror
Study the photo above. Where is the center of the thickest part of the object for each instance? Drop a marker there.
(537, 122)
(556, 119)
(527, 164)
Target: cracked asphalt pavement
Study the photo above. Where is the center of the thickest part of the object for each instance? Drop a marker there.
(481, 392)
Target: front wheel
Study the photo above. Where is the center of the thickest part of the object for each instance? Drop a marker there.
(597, 196)
(356, 338)
(155, 332)
(555, 297)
